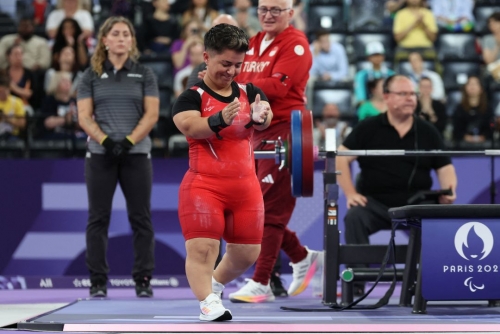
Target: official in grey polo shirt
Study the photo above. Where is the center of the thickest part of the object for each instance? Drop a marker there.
(118, 105)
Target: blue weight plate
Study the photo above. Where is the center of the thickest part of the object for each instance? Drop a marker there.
(296, 148)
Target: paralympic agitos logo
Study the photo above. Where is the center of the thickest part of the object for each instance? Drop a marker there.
(473, 242)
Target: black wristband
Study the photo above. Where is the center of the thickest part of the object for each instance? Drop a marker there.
(216, 123)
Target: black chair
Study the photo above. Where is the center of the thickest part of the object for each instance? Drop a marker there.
(340, 95)
(481, 14)
(326, 17)
(455, 74)
(494, 99)
(453, 99)
(7, 25)
(457, 47)
(367, 16)
(359, 42)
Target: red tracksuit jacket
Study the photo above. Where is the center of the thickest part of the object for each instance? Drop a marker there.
(281, 71)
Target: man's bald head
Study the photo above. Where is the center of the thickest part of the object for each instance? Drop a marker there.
(224, 18)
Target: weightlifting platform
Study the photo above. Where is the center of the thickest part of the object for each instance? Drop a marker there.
(121, 312)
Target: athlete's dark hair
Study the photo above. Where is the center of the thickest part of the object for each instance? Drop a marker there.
(226, 37)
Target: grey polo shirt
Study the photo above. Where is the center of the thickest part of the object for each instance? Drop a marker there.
(118, 101)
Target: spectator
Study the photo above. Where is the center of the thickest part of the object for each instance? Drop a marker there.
(472, 117)
(36, 52)
(161, 29)
(376, 105)
(195, 59)
(121, 8)
(386, 182)
(299, 16)
(191, 33)
(392, 7)
(491, 46)
(329, 59)
(376, 69)
(454, 15)
(69, 9)
(415, 29)
(418, 72)
(59, 112)
(429, 108)
(200, 10)
(21, 79)
(40, 8)
(249, 23)
(12, 114)
(330, 119)
(65, 62)
(70, 34)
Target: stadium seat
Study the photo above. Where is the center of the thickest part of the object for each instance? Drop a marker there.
(405, 67)
(166, 94)
(455, 74)
(359, 42)
(162, 68)
(339, 38)
(12, 149)
(457, 47)
(367, 16)
(494, 99)
(329, 18)
(481, 14)
(453, 99)
(340, 94)
(325, 2)
(7, 25)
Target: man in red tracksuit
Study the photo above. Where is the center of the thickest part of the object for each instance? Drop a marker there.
(278, 62)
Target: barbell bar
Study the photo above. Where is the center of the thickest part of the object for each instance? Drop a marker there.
(298, 153)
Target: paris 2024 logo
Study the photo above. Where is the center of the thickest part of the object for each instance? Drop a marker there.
(473, 242)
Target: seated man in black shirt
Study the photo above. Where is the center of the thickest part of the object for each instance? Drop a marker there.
(387, 181)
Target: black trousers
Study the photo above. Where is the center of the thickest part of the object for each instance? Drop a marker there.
(360, 222)
(102, 174)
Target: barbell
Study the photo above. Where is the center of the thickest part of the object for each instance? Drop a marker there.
(298, 153)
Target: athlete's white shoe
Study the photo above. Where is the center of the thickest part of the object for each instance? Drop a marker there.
(211, 309)
(304, 271)
(217, 288)
(252, 292)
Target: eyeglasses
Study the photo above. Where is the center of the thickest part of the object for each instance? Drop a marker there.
(275, 11)
(404, 94)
